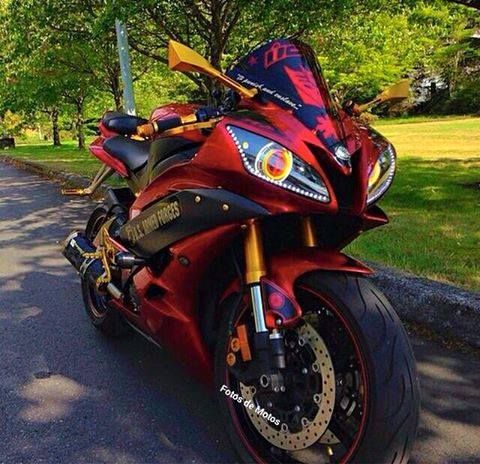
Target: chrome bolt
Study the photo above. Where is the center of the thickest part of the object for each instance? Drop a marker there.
(305, 422)
(301, 341)
(269, 404)
(278, 321)
(198, 199)
(305, 371)
(264, 381)
(225, 207)
(282, 388)
(297, 408)
(276, 389)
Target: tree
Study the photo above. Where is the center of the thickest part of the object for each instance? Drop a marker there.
(33, 81)
(11, 124)
(222, 30)
(88, 33)
(369, 51)
(458, 62)
(66, 64)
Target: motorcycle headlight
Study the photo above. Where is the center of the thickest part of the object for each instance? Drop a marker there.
(274, 163)
(382, 174)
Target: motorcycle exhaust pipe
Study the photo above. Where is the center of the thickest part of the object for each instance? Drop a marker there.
(75, 247)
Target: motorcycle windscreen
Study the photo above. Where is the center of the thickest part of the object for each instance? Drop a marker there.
(287, 73)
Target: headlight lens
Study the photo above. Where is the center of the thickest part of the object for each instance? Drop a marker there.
(382, 174)
(273, 163)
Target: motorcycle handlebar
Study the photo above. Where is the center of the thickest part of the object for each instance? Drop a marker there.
(147, 130)
(156, 127)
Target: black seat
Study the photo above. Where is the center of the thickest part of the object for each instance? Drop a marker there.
(122, 123)
(133, 153)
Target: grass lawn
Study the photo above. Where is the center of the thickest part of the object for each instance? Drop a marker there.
(65, 158)
(433, 206)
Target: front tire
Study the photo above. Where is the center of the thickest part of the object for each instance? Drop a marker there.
(366, 342)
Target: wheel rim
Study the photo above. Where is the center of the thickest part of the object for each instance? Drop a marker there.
(303, 423)
(316, 442)
(97, 303)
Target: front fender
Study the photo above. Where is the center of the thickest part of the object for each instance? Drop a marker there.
(285, 268)
(289, 266)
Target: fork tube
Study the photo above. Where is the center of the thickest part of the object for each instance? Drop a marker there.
(309, 234)
(255, 269)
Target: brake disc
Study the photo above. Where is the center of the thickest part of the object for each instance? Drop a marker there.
(312, 431)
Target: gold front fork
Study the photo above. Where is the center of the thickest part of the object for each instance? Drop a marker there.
(309, 234)
(255, 269)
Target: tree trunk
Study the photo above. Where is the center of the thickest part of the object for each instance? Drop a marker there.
(79, 123)
(216, 51)
(117, 97)
(116, 90)
(55, 128)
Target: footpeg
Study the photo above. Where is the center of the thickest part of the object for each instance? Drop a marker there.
(79, 192)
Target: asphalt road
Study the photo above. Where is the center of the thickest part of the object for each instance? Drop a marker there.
(68, 395)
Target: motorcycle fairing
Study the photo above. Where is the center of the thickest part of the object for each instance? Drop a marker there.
(171, 309)
(96, 148)
(184, 214)
(218, 163)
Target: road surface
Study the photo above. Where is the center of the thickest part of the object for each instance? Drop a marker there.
(67, 395)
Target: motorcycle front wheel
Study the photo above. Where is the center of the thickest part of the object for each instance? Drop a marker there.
(351, 389)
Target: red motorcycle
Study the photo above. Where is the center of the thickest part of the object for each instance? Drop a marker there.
(225, 248)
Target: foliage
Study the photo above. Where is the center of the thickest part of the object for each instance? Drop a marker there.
(222, 30)
(11, 124)
(369, 51)
(59, 57)
(458, 62)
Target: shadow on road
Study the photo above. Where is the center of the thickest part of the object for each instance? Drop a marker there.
(450, 419)
(67, 393)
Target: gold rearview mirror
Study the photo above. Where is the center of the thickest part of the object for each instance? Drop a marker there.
(398, 91)
(183, 58)
(395, 93)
